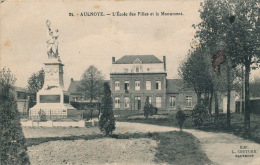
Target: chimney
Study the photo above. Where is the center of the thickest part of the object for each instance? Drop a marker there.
(71, 80)
(164, 63)
(113, 59)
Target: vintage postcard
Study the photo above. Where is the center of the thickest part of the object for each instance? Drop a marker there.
(131, 82)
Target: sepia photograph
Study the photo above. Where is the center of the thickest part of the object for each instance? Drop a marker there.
(128, 82)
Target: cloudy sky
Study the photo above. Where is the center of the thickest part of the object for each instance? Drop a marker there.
(85, 41)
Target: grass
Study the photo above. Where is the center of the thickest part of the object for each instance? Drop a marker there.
(237, 124)
(175, 147)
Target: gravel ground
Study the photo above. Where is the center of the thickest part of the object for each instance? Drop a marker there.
(100, 151)
(217, 146)
(36, 132)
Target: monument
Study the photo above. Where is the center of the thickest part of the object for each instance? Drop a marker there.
(52, 100)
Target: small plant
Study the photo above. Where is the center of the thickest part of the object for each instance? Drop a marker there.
(42, 115)
(181, 117)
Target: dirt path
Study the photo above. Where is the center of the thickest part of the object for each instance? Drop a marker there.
(221, 148)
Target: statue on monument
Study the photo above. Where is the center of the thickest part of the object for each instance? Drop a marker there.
(52, 42)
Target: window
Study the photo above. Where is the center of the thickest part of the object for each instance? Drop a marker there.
(158, 102)
(137, 85)
(126, 86)
(117, 86)
(188, 101)
(148, 85)
(117, 103)
(137, 69)
(172, 101)
(150, 99)
(127, 102)
(74, 98)
(148, 69)
(158, 85)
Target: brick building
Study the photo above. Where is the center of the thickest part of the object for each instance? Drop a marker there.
(133, 78)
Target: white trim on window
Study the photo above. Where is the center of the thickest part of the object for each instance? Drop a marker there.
(117, 102)
(158, 85)
(117, 85)
(148, 85)
(137, 85)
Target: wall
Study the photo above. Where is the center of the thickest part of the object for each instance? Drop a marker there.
(132, 93)
(181, 100)
(130, 68)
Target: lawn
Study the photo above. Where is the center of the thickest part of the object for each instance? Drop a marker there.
(237, 122)
(174, 147)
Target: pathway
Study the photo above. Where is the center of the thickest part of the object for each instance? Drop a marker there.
(219, 147)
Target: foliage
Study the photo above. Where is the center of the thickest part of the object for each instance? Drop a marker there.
(181, 117)
(195, 72)
(91, 83)
(42, 115)
(199, 114)
(238, 37)
(12, 141)
(107, 119)
(255, 88)
(35, 83)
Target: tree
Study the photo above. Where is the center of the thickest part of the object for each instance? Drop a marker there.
(241, 38)
(195, 73)
(91, 84)
(12, 141)
(107, 119)
(35, 83)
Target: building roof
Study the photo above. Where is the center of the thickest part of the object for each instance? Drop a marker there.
(20, 89)
(176, 85)
(74, 85)
(145, 59)
(73, 88)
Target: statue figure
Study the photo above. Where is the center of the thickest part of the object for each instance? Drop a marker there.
(52, 42)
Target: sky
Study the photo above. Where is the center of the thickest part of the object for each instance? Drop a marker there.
(93, 40)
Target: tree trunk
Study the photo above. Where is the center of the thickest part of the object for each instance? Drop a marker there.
(210, 101)
(216, 107)
(198, 98)
(228, 96)
(247, 101)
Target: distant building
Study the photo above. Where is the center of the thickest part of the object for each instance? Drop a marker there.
(22, 98)
(135, 77)
(76, 99)
(179, 95)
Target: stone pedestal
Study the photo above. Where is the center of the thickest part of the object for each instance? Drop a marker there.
(52, 99)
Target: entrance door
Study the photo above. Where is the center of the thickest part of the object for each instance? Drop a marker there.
(138, 103)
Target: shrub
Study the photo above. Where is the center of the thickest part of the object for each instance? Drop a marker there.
(12, 141)
(199, 114)
(107, 119)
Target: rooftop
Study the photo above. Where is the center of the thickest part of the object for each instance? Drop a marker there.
(145, 59)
